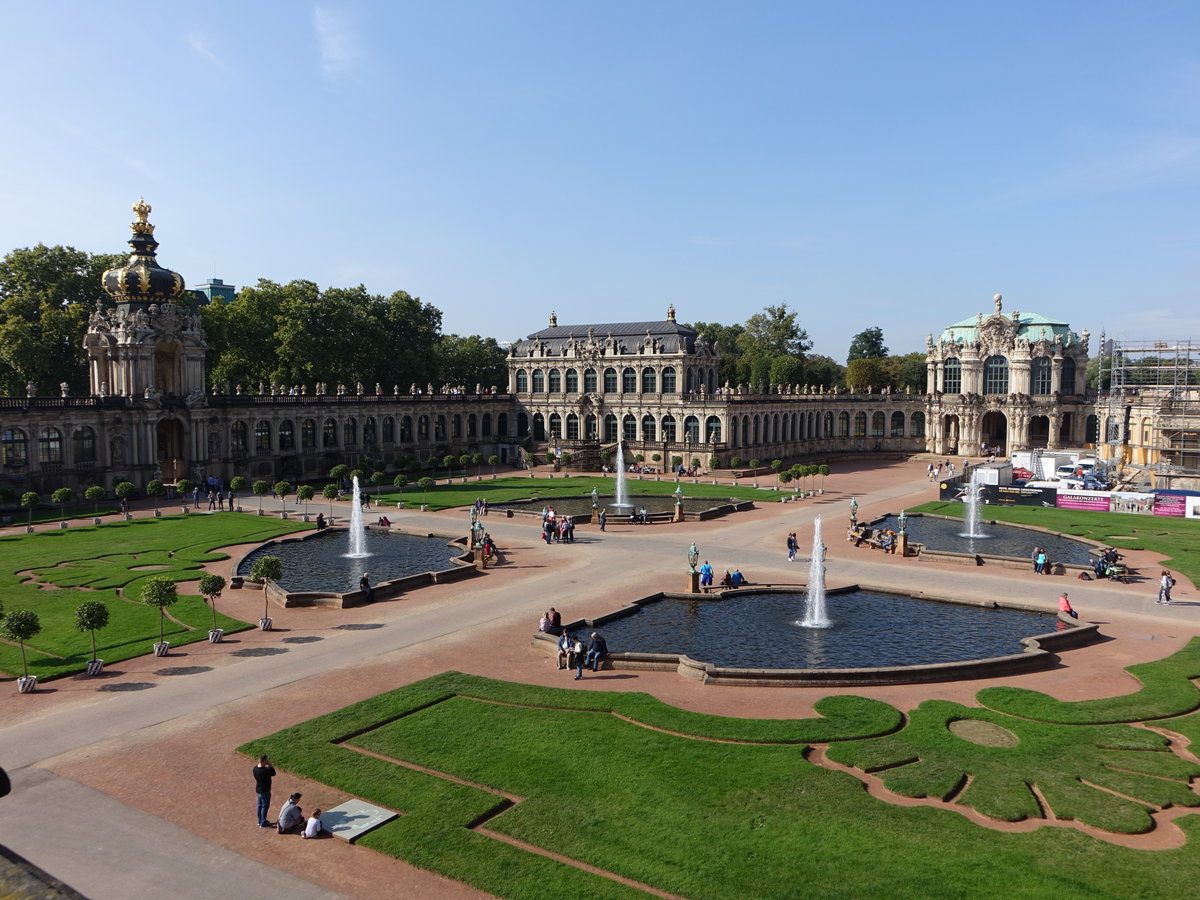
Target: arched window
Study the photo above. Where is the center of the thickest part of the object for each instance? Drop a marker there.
(610, 428)
(629, 427)
(572, 426)
(487, 425)
(456, 426)
(668, 380)
(898, 424)
(668, 429)
(1092, 429)
(649, 428)
(555, 381)
(50, 446)
(691, 430)
(918, 424)
(649, 381)
(539, 427)
(287, 435)
(589, 423)
(687, 379)
(522, 425)
(539, 381)
(522, 381)
(329, 433)
(1068, 375)
(572, 381)
(262, 436)
(555, 427)
(610, 380)
(589, 381)
(472, 422)
(406, 429)
(15, 447)
(439, 428)
(995, 375)
(878, 420)
(860, 424)
(238, 437)
(423, 428)
(350, 432)
(1040, 371)
(628, 380)
(712, 428)
(84, 444)
(501, 425)
(843, 424)
(389, 430)
(308, 434)
(952, 376)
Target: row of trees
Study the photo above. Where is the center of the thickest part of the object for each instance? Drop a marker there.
(294, 333)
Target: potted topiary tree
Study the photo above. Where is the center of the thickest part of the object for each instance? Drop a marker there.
(265, 570)
(477, 462)
(124, 490)
(237, 484)
(95, 493)
(184, 486)
(20, 626)
(92, 615)
(29, 500)
(399, 482)
(377, 478)
(339, 472)
(155, 489)
(822, 470)
(210, 587)
(281, 489)
(260, 489)
(493, 461)
(425, 484)
(330, 492)
(304, 493)
(62, 497)
(160, 591)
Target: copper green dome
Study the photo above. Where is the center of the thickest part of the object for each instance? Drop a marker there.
(142, 280)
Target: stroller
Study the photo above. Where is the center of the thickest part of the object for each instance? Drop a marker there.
(1117, 571)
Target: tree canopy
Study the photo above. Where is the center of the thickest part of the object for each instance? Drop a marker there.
(867, 344)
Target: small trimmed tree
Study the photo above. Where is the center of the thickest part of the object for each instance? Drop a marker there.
(62, 497)
(266, 569)
(260, 488)
(785, 477)
(20, 626)
(755, 463)
(159, 591)
(447, 461)
(477, 462)
(695, 462)
(210, 587)
(95, 493)
(185, 487)
(425, 484)
(124, 490)
(29, 500)
(237, 484)
(377, 478)
(822, 470)
(154, 488)
(735, 462)
(330, 492)
(282, 489)
(338, 472)
(776, 465)
(91, 616)
(304, 493)
(493, 461)
(399, 482)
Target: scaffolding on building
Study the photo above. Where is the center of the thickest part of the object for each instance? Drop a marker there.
(1148, 403)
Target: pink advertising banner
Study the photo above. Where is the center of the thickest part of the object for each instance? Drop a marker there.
(1093, 500)
(1170, 504)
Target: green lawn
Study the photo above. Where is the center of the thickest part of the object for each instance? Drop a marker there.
(1177, 539)
(712, 807)
(110, 562)
(502, 490)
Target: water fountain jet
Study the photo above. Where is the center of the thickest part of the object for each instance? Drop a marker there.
(814, 600)
(358, 548)
(974, 489)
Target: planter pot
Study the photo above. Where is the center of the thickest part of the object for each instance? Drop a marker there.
(62, 525)
(186, 510)
(215, 635)
(27, 684)
(260, 512)
(95, 666)
(158, 514)
(306, 517)
(96, 520)
(424, 508)
(493, 476)
(283, 514)
(128, 516)
(29, 529)
(162, 648)
(264, 624)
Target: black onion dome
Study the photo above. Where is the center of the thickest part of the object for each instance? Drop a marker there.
(142, 279)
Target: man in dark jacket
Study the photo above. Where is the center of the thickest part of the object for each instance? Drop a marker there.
(263, 773)
(597, 649)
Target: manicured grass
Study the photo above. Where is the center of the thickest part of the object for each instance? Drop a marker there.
(502, 490)
(1175, 538)
(111, 562)
(712, 807)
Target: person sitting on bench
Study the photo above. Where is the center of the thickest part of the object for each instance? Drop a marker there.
(737, 579)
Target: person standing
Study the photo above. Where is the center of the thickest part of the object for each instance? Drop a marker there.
(791, 547)
(263, 773)
(603, 519)
(1165, 583)
(706, 574)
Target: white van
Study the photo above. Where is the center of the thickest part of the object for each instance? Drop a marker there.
(1067, 471)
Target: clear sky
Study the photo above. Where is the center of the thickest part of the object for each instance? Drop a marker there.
(866, 163)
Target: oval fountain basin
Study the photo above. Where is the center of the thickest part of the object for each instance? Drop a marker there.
(582, 506)
(319, 562)
(1002, 540)
(870, 629)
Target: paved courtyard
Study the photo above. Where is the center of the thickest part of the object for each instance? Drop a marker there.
(129, 784)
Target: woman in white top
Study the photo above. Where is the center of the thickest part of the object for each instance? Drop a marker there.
(314, 826)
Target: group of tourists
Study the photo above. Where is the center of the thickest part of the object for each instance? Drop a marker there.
(575, 653)
(1041, 562)
(934, 471)
(558, 529)
(291, 818)
(730, 579)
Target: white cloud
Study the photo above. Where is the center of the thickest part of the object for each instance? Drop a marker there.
(337, 41)
(199, 44)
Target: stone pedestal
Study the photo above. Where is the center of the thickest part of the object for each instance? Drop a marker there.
(480, 563)
(678, 517)
(902, 544)
(694, 582)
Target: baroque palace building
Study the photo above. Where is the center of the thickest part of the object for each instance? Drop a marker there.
(1011, 381)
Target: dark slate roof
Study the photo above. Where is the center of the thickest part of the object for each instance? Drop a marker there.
(556, 336)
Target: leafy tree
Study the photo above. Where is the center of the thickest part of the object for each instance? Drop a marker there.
(785, 477)
(821, 371)
(95, 493)
(237, 484)
(755, 463)
(29, 500)
(46, 296)
(493, 461)
(400, 481)
(770, 334)
(184, 486)
(725, 339)
(91, 616)
(304, 493)
(267, 569)
(124, 490)
(447, 461)
(786, 370)
(160, 591)
(470, 361)
(477, 462)
(340, 473)
(425, 484)
(776, 465)
(908, 371)
(695, 462)
(62, 497)
(822, 470)
(377, 478)
(863, 373)
(867, 344)
(210, 587)
(330, 492)
(735, 462)
(154, 488)
(281, 489)
(260, 488)
(20, 626)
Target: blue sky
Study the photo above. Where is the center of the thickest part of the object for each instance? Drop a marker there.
(890, 164)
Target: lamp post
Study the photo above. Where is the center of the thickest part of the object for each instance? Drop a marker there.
(693, 556)
(902, 537)
(853, 513)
